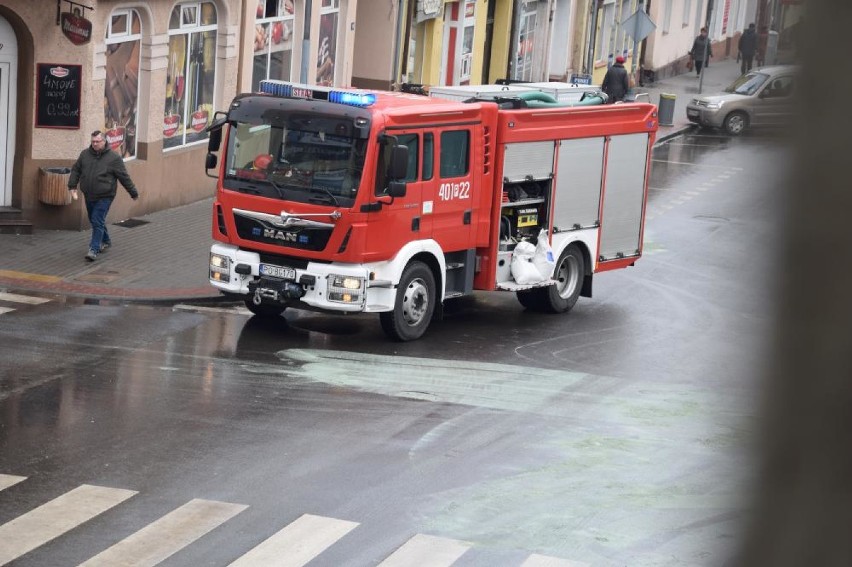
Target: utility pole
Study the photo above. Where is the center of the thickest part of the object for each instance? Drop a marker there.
(634, 68)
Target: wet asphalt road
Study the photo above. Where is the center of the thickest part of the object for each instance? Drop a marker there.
(615, 435)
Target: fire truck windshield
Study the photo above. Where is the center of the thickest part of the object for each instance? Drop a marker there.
(311, 160)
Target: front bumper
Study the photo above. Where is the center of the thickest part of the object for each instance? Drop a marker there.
(311, 285)
(705, 116)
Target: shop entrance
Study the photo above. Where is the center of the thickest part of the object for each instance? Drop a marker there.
(8, 87)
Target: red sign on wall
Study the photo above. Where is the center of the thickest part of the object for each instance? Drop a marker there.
(76, 28)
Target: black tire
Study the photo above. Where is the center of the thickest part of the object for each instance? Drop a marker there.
(414, 305)
(264, 310)
(532, 299)
(736, 123)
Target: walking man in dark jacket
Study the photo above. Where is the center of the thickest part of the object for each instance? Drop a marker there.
(615, 83)
(97, 170)
(747, 47)
(700, 48)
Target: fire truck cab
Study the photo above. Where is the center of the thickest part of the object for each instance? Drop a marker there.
(352, 201)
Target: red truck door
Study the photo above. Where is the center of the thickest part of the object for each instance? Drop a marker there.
(448, 196)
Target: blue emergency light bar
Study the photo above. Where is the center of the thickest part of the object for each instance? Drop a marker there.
(295, 90)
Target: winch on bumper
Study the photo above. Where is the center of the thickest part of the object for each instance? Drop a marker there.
(329, 287)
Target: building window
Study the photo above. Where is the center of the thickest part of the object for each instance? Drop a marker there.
(687, 8)
(327, 53)
(190, 76)
(607, 17)
(667, 16)
(526, 42)
(622, 38)
(273, 41)
(121, 88)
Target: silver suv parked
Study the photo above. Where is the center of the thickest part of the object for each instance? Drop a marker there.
(761, 97)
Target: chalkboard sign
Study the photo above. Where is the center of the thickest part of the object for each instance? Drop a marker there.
(58, 95)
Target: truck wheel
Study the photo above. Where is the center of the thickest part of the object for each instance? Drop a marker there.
(570, 270)
(415, 303)
(735, 123)
(532, 299)
(264, 310)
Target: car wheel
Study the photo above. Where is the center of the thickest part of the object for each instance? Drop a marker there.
(735, 123)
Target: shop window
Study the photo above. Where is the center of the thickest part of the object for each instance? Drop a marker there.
(327, 42)
(190, 76)
(121, 88)
(454, 153)
(525, 57)
(273, 41)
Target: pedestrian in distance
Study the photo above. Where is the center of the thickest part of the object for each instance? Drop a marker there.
(615, 82)
(747, 48)
(701, 51)
(96, 171)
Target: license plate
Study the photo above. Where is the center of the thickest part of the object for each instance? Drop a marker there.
(277, 272)
(691, 112)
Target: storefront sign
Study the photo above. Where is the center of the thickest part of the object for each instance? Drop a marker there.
(76, 28)
(58, 90)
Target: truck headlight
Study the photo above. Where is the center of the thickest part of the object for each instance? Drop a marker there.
(220, 267)
(345, 289)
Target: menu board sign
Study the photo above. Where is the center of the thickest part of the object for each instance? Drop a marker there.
(58, 90)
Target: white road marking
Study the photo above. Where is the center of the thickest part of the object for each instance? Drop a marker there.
(426, 551)
(238, 309)
(54, 518)
(6, 310)
(536, 560)
(16, 298)
(168, 535)
(7, 480)
(297, 543)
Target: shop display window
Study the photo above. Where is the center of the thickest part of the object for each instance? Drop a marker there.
(273, 41)
(121, 87)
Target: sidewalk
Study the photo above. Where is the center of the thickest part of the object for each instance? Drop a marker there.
(717, 76)
(164, 257)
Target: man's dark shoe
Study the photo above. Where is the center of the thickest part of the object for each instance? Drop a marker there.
(91, 256)
(105, 245)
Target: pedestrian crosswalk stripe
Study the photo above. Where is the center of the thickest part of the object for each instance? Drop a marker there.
(297, 543)
(168, 535)
(54, 518)
(426, 551)
(7, 480)
(6, 310)
(17, 298)
(536, 560)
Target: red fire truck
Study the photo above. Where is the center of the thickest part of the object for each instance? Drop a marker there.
(352, 201)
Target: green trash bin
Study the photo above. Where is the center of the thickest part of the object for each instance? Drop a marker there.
(665, 110)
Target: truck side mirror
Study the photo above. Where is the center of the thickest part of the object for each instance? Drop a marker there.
(210, 163)
(398, 167)
(215, 140)
(397, 188)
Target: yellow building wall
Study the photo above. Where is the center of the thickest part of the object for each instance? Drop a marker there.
(501, 39)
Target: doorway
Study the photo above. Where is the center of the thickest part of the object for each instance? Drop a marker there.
(8, 88)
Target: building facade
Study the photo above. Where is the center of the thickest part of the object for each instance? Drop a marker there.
(151, 75)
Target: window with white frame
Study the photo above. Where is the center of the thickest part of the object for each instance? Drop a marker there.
(622, 38)
(190, 75)
(327, 42)
(606, 19)
(121, 88)
(273, 41)
(467, 41)
(687, 8)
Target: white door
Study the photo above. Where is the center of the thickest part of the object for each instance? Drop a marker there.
(4, 130)
(8, 74)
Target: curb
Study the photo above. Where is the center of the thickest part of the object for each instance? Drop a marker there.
(676, 133)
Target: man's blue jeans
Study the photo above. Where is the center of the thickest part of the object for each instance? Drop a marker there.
(97, 218)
